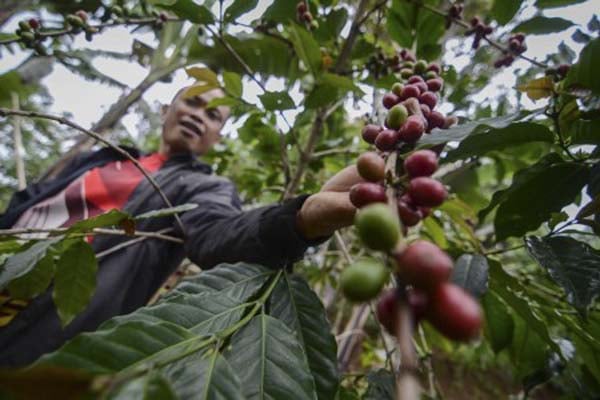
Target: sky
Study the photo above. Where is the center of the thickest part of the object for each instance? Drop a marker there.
(87, 101)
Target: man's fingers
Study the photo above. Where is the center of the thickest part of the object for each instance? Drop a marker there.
(343, 180)
(325, 212)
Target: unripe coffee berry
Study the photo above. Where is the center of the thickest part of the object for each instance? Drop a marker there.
(421, 163)
(377, 227)
(454, 313)
(371, 166)
(396, 117)
(397, 88)
(363, 280)
(370, 132)
(412, 129)
(387, 139)
(427, 192)
(420, 67)
(424, 265)
(365, 193)
(406, 73)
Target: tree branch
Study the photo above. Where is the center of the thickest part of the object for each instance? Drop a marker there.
(93, 232)
(31, 114)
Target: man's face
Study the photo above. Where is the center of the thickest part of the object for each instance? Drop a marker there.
(189, 127)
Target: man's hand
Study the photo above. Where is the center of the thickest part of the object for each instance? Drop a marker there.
(330, 209)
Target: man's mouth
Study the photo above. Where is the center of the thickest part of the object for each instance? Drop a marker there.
(190, 128)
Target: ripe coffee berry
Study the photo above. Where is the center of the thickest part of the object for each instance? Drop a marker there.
(436, 120)
(422, 86)
(421, 163)
(424, 265)
(365, 193)
(387, 139)
(425, 110)
(412, 129)
(415, 79)
(410, 91)
(371, 166)
(370, 132)
(408, 213)
(454, 312)
(34, 23)
(301, 8)
(427, 192)
(435, 84)
(390, 100)
(428, 98)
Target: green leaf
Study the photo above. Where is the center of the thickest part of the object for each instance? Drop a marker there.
(583, 74)
(164, 212)
(277, 101)
(511, 291)
(294, 303)
(471, 273)
(113, 217)
(306, 48)
(382, 385)
(498, 139)
(332, 27)
(585, 132)
(400, 23)
(270, 361)
(281, 11)
(321, 95)
(340, 82)
(573, 265)
(528, 350)
(35, 281)
(543, 25)
(461, 132)
(23, 262)
(233, 83)
(203, 75)
(186, 9)
(532, 197)
(238, 8)
(556, 3)
(75, 280)
(504, 10)
(147, 387)
(499, 324)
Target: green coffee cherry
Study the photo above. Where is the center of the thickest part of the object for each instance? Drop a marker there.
(377, 227)
(430, 75)
(397, 88)
(406, 73)
(75, 21)
(363, 280)
(24, 26)
(397, 116)
(420, 67)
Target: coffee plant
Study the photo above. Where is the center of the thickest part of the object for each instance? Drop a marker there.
(472, 269)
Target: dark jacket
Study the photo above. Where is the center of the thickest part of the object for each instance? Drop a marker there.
(217, 231)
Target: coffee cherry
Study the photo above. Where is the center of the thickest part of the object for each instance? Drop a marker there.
(425, 211)
(425, 110)
(430, 75)
(307, 17)
(563, 69)
(82, 14)
(436, 120)
(387, 307)
(363, 280)
(24, 26)
(370, 132)
(422, 86)
(364, 193)
(420, 67)
(454, 313)
(390, 100)
(406, 73)
(408, 213)
(118, 11)
(519, 36)
(28, 38)
(75, 21)
(429, 98)
(408, 64)
(301, 8)
(424, 265)
(371, 166)
(435, 85)
(434, 67)
(475, 21)
(34, 23)
(415, 79)
(314, 24)
(396, 117)
(397, 89)
(387, 139)
(421, 163)
(410, 91)
(412, 129)
(377, 227)
(450, 121)
(427, 192)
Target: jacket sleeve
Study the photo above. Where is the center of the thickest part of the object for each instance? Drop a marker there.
(218, 231)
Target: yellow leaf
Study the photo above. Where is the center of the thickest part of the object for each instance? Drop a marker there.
(538, 88)
(197, 90)
(204, 75)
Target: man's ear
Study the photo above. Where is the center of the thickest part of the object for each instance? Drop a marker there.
(163, 111)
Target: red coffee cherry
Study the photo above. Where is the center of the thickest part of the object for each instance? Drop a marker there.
(412, 129)
(301, 8)
(390, 100)
(307, 16)
(429, 98)
(408, 213)
(387, 139)
(425, 110)
(435, 84)
(371, 166)
(424, 265)
(82, 14)
(415, 79)
(427, 192)
(425, 211)
(370, 132)
(422, 86)
(434, 67)
(387, 307)
(34, 23)
(421, 163)
(365, 193)
(436, 120)
(454, 313)
(410, 91)
(562, 69)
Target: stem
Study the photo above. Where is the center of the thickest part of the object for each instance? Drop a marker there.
(95, 231)
(462, 23)
(32, 114)
(500, 251)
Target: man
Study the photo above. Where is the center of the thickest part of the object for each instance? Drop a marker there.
(216, 231)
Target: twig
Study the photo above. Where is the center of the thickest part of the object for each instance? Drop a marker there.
(462, 23)
(376, 7)
(500, 251)
(18, 145)
(32, 114)
(95, 231)
(128, 243)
